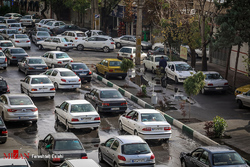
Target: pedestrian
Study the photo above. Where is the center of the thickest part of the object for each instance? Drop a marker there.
(162, 64)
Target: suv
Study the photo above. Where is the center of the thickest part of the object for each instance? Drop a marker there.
(3, 60)
(4, 88)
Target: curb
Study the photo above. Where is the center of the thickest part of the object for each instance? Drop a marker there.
(193, 134)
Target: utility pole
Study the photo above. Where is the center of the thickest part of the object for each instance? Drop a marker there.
(138, 43)
(95, 21)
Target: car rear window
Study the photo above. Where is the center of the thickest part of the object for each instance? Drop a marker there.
(80, 34)
(3, 26)
(67, 74)
(152, 117)
(22, 36)
(213, 76)
(110, 94)
(40, 81)
(11, 21)
(20, 101)
(62, 55)
(157, 59)
(15, 25)
(183, 67)
(17, 51)
(36, 61)
(6, 44)
(3, 83)
(79, 66)
(46, 34)
(76, 108)
(1, 54)
(228, 158)
(101, 33)
(68, 145)
(135, 149)
(26, 17)
(115, 63)
(12, 31)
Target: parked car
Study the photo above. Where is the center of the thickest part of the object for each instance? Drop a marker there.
(37, 36)
(56, 59)
(178, 71)
(29, 20)
(37, 86)
(61, 146)
(77, 114)
(20, 40)
(43, 22)
(79, 163)
(58, 43)
(63, 78)
(129, 53)
(212, 156)
(242, 89)
(2, 27)
(1, 38)
(15, 16)
(152, 62)
(53, 24)
(9, 21)
(90, 33)
(2, 19)
(104, 43)
(214, 82)
(67, 27)
(15, 55)
(18, 27)
(158, 45)
(106, 100)
(156, 51)
(4, 44)
(146, 123)
(18, 107)
(3, 60)
(126, 150)
(81, 70)
(110, 68)
(36, 29)
(4, 162)
(3, 132)
(32, 65)
(243, 99)
(130, 40)
(6, 33)
(73, 36)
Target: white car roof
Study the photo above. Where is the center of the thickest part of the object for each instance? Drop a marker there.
(103, 36)
(5, 41)
(77, 101)
(210, 72)
(4, 162)
(55, 52)
(177, 62)
(38, 76)
(62, 69)
(126, 139)
(146, 111)
(75, 31)
(129, 47)
(80, 162)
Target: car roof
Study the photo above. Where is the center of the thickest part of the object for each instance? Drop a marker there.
(129, 47)
(55, 52)
(75, 31)
(16, 95)
(110, 59)
(38, 76)
(77, 63)
(13, 23)
(13, 162)
(77, 101)
(42, 31)
(146, 110)
(5, 41)
(105, 89)
(126, 139)
(217, 149)
(48, 19)
(80, 162)
(103, 36)
(64, 135)
(209, 72)
(33, 57)
(177, 62)
(17, 48)
(62, 69)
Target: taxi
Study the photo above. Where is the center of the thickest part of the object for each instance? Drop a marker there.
(242, 89)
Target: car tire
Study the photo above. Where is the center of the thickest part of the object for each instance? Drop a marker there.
(100, 157)
(183, 163)
(67, 126)
(80, 47)
(203, 91)
(51, 97)
(121, 126)
(58, 49)
(28, 48)
(176, 80)
(142, 48)
(88, 80)
(3, 141)
(40, 47)
(145, 68)
(95, 128)
(26, 72)
(118, 45)
(56, 85)
(115, 164)
(123, 77)
(240, 104)
(105, 49)
(21, 89)
(135, 133)
(34, 122)
(106, 75)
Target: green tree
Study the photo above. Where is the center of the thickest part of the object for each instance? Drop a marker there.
(126, 65)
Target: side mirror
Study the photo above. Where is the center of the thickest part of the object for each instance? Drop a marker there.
(57, 106)
(102, 144)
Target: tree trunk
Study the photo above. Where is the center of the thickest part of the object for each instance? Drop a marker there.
(236, 66)
(193, 58)
(45, 8)
(203, 43)
(228, 62)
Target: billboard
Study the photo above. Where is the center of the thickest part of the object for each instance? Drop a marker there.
(183, 53)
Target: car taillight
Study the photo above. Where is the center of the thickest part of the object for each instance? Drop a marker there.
(34, 109)
(19, 29)
(45, 68)
(85, 157)
(56, 159)
(52, 89)
(225, 83)
(0, 48)
(48, 28)
(79, 80)
(122, 104)
(17, 41)
(167, 128)
(210, 84)
(38, 38)
(131, 56)
(110, 70)
(65, 45)
(146, 129)
(8, 89)
(59, 62)
(39, 25)
(4, 132)
(90, 72)
(71, 60)
(33, 89)
(10, 18)
(74, 120)
(121, 158)
(76, 38)
(5, 59)
(11, 110)
(112, 43)
(28, 41)
(157, 66)
(14, 57)
(97, 118)
(152, 156)
(105, 104)
(64, 80)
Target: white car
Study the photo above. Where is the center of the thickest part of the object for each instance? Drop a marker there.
(18, 107)
(178, 71)
(9, 21)
(146, 123)
(3, 60)
(4, 44)
(130, 40)
(15, 162)
(18, 27)
(63, 78)
(53, 24)
(243, 99)
(2, 27)
(129, 53)
(151, 62)
(6, 33)
(158, 45)
(29, 20)
(79, 162)
(73, 36)
(37, 86)
(58, 43)
(36, 36)
(43, 22)
(77, 114)
(104, 43)
(15, 16)
(91, 33)
(20, 40)
(214, 82)
(56, 59)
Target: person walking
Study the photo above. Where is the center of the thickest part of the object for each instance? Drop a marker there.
(162, 64)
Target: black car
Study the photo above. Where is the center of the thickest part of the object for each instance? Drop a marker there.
(15, 55)
(34, 31)
(4, 88)
(106, 100)
(212, 156)
(32, 65)
(61, 146)
(67, 27)
(3, 132)
(81, 70)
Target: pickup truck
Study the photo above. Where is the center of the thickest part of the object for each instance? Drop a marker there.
(29, 20)
(151, 62)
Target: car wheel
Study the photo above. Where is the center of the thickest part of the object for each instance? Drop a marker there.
(52, 97)
(52, 66)
(106, 75)
(120, 126)
(142, 47)
(183, 163)
(135, 133)
(123, 77)
(3, 141)
(100, 156)
(115, 164)
(105, 49)
(203, 91)
(118, 45)
(34, 122)
(95, 128)
(40, 47)
(28, 48)
(21, 89)
(58, 49)
(26, 72)
(176, 80)
(80, 47)
(145, 68)
(88, 80)
(56, 85)
(240, 104)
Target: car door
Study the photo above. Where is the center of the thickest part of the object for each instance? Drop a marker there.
(55, 43)
(126, 122)
(246, 99)
(56, 24)
(113, 150)
(133, 122)
(90, 43)
(203, 161)
(100, 67)
(105, 67)
(100, 42)
(50, 59)
(131, 41)
(47, 43)
(60, 111)
(53, 76)
(170, 71)
(22, 64)
(106, 151)
(90, 96)
(45, 58)
(193, 159)
(3, 103)
(26, 85)
(124, 41)
(46, 146)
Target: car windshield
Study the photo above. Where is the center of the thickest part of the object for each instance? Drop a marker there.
(15, 25)
(157, 59)
(183, 67)
(101, 33)
(3, 26)
(11, 21)
(46, 34)
(17, 51)
(115, 63)
(42, 29)
(12, 32)
(41, 81)
(20, 101)
(64, 40)
(79, 67)
(135, 148)
(110, 94)
(21, 36)
(134, 51)
(152, 117)
(213, 76)
(80, 34)
(67, 74)
(76, 108)
(62, 55)
(228, 158)
(36, 61)
(6, 44)
(1, 38)
(2, 83)
(68, 145)
(26, 17)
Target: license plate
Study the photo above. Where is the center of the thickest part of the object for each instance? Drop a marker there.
(115, 108)
(82, 74)
(69, 44)
(86, 118)
(21, 117)
(39, 68)
(137, 160)
(156, 128)
(218, 88)
(19, 60)
(124, 54)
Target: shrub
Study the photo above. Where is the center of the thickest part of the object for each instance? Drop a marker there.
(209, 128)
(219, 126)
